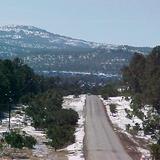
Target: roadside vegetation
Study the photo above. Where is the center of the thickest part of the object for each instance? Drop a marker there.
(17, 140)
(43, 96)
(109, 90)
(47, 114)
(113, 108)
(140, 84)
(142, 80)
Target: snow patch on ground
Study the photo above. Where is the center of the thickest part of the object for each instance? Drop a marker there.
(120, 119)
(145, 154)
(23, 123)
(76, 150)
(17, 121)
(31, 131)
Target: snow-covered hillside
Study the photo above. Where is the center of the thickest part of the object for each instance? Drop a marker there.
(32, 37)
(46, 51)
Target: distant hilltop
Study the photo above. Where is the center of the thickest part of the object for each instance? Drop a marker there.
(33, 37)
(43, 50)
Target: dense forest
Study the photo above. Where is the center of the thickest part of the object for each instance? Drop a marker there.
(19, 82)
(44, 96)
(142, 80)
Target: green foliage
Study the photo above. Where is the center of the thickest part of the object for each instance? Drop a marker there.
(47, 113)
(43, 107)
(18, 83)
(1, 146)
(134, 73)
(134, 130)
(155, 151)
(129, 113)
(26, 99)
(136, 105)
(113, 108)
(128, 127)
(14, 139)
(16, 79)
(143, 78)
(62, 117)
(136, 101)
(151, 124)
(109, 91)
(29, 141)
(18, 141)
(60, 135)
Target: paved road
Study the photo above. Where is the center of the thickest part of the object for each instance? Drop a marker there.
(101, 141)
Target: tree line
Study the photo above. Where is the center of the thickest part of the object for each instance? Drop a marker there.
(44, 96)
(142, 80)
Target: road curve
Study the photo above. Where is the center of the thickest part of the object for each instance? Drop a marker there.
(100, 140)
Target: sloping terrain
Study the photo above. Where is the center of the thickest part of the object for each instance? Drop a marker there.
(45, 51)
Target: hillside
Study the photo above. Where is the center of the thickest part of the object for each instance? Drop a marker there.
(45, 51)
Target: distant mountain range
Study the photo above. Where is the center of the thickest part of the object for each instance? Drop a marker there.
(45, 51)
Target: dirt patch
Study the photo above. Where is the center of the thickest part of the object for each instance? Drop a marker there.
(20, 154)
(10, 153)
(129, 145)
(5, 158)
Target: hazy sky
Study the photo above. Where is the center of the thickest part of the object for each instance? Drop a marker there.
(132, 22)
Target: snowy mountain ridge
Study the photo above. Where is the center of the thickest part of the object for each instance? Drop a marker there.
(45, 51)
(33, 37)
(50, 40)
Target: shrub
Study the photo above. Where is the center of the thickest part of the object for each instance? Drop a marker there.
(15, 140)
(109, 90)
(155, 151)
(18, 141)
(60, 135)
(47, 114)
(135, 129)
(29, 141)
(151, 125)
(141, 115)
(129, 113)
(128, 127)
(1, 146)
(113, 108)
(62, 117)
(127, 98)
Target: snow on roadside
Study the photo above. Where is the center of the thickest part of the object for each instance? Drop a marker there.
(32, 131)
(120, 119)
(76, 150)
(22, 122)
(146, 155)
(40, 149)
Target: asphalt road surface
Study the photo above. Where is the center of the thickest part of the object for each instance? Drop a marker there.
(100, 140)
